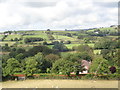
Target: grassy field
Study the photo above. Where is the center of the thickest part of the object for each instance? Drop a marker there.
(69, 46)
(60, 84)
(103, 29)
(65, 38)
(31, 32)
(43, 35)
(1, 36)
(97, 51)
(9, 37)
(7, 42)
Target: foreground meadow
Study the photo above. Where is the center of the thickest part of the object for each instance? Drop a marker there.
(61, 84)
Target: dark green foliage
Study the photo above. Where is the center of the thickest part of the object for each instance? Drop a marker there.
(5, 48)
(45, 50)
(85, 52)
(71, 57)
(52, 57)
(83, 48)
(33, 39)
(78, 56)
(15, 52)
(60, 47)
(106, 44)
(20, 50)
(84, 56)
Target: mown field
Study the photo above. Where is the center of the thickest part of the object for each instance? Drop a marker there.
(61, 84)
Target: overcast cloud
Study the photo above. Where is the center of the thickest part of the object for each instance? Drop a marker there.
(57, 14)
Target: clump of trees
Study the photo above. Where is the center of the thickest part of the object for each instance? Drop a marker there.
(29, 66)
(5, 47)
(100, 66)
(60, 47)
(52, 57)
(31, 52)
(106, 44)
(33, 39)
(12, 66)
(16, 39)
(66, 66)
(85, 52)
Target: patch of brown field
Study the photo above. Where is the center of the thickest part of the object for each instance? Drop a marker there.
(61, 84)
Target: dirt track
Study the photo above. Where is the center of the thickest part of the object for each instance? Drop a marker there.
(60, 84)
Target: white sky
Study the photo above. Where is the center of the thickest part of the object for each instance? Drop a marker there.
(57, 14)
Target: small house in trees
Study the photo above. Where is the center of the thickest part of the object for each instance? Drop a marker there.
(86, 64)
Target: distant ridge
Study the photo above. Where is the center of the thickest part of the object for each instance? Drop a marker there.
(81, 29)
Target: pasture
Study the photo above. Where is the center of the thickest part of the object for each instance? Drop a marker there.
(97, 51)
(1, 36)
(9, 37)
(42, 35)
(7, 42)
(61, 37)
(52, 83)
(69, 46)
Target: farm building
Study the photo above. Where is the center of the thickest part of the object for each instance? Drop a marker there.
(86, 65)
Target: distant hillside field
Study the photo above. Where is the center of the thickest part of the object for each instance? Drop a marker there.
(9, 37)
